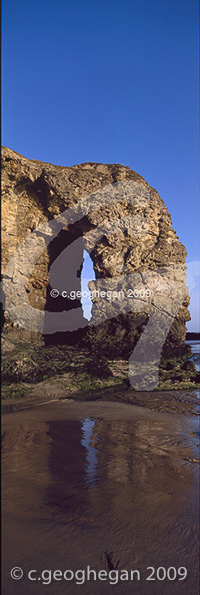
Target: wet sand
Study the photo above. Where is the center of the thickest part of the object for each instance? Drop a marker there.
(82, 479)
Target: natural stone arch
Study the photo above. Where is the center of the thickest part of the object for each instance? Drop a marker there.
(141, 241)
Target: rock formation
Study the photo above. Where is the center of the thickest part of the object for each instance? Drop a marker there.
(50, 214)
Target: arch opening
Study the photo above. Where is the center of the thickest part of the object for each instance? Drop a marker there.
(87, 275)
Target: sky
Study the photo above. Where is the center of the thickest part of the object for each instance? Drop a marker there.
(113, 82)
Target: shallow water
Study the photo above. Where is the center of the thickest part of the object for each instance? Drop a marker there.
(81, 479)
(195, 347)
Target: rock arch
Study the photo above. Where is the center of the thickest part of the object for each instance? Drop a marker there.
(123, 224)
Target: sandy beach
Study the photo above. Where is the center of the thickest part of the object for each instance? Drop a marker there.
(102, 484)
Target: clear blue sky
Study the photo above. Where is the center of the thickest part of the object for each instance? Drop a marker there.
(109, 81)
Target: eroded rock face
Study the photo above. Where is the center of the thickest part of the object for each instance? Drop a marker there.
(50, 214)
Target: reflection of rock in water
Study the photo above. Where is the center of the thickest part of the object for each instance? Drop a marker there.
(67, 464)
(25, 451)
(141, 508)
(136, 470)
(61, 461)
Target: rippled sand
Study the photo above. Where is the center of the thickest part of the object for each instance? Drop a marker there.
(82, 479)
